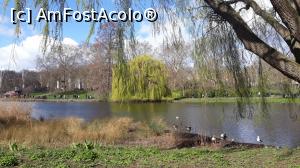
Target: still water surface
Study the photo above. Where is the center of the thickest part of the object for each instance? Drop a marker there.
(278, 124)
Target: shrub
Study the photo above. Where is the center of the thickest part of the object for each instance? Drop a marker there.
(157, 126)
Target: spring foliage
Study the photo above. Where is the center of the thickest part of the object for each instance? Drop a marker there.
(143, 78)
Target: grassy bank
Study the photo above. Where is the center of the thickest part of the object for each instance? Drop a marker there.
(234, 100)
(93, 155)
(82, 98)
(68, 95)
(17, 126)
(117, 142)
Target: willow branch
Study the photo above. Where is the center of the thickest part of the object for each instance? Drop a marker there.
(254, 44)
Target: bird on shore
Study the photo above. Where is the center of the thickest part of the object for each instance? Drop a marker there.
(213, 139)
(258, 139)
(177, 118)
(175, 127)
(189, 129)
(223, 136)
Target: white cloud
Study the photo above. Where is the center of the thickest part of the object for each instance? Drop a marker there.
(145, 33)
(248, 15)
(69, 41)
(265, 4)
(23, 55)
(168, 31)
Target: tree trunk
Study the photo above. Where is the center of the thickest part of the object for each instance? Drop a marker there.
(253, 43)
(289, 16)
(279, 28)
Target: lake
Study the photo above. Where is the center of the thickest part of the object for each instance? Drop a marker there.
(276, 124)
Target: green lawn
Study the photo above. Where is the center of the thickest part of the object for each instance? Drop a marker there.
(68, 95)
(234, 100)
(89, 155)
(82, 96)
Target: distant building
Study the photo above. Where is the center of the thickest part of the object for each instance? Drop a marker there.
(28, 81)
(11, 94)
(16, 93)
(10, 80)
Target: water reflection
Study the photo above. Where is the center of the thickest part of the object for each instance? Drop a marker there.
(276, 124)
(87, 111)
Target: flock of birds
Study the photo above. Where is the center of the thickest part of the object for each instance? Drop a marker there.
(223, 136)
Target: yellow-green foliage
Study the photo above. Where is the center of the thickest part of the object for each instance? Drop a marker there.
(147, 78)
(119, 82)
(144, 78)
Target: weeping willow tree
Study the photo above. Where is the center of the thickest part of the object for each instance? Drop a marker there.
(146, 80)
(203, 18)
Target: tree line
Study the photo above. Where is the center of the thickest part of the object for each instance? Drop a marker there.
(173, 70)
(219, 31)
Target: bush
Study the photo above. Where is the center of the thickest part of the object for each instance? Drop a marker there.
(157, 126)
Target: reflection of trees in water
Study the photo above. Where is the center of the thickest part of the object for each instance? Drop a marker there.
(246, 110)
(261, 112)
(140, 111)
(293, 112)
(264, 108)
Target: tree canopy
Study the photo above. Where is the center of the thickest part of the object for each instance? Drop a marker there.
(221, 21)
(146, 80)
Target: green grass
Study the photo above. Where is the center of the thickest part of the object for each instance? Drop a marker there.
(120, 156)
(69, 95)
(234, 100)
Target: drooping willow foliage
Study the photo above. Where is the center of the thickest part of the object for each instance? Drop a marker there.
(52, 32)
(220, 46)
(213, 39)
(146, 80)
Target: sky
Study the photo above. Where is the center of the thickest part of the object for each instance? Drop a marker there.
(21, 53)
